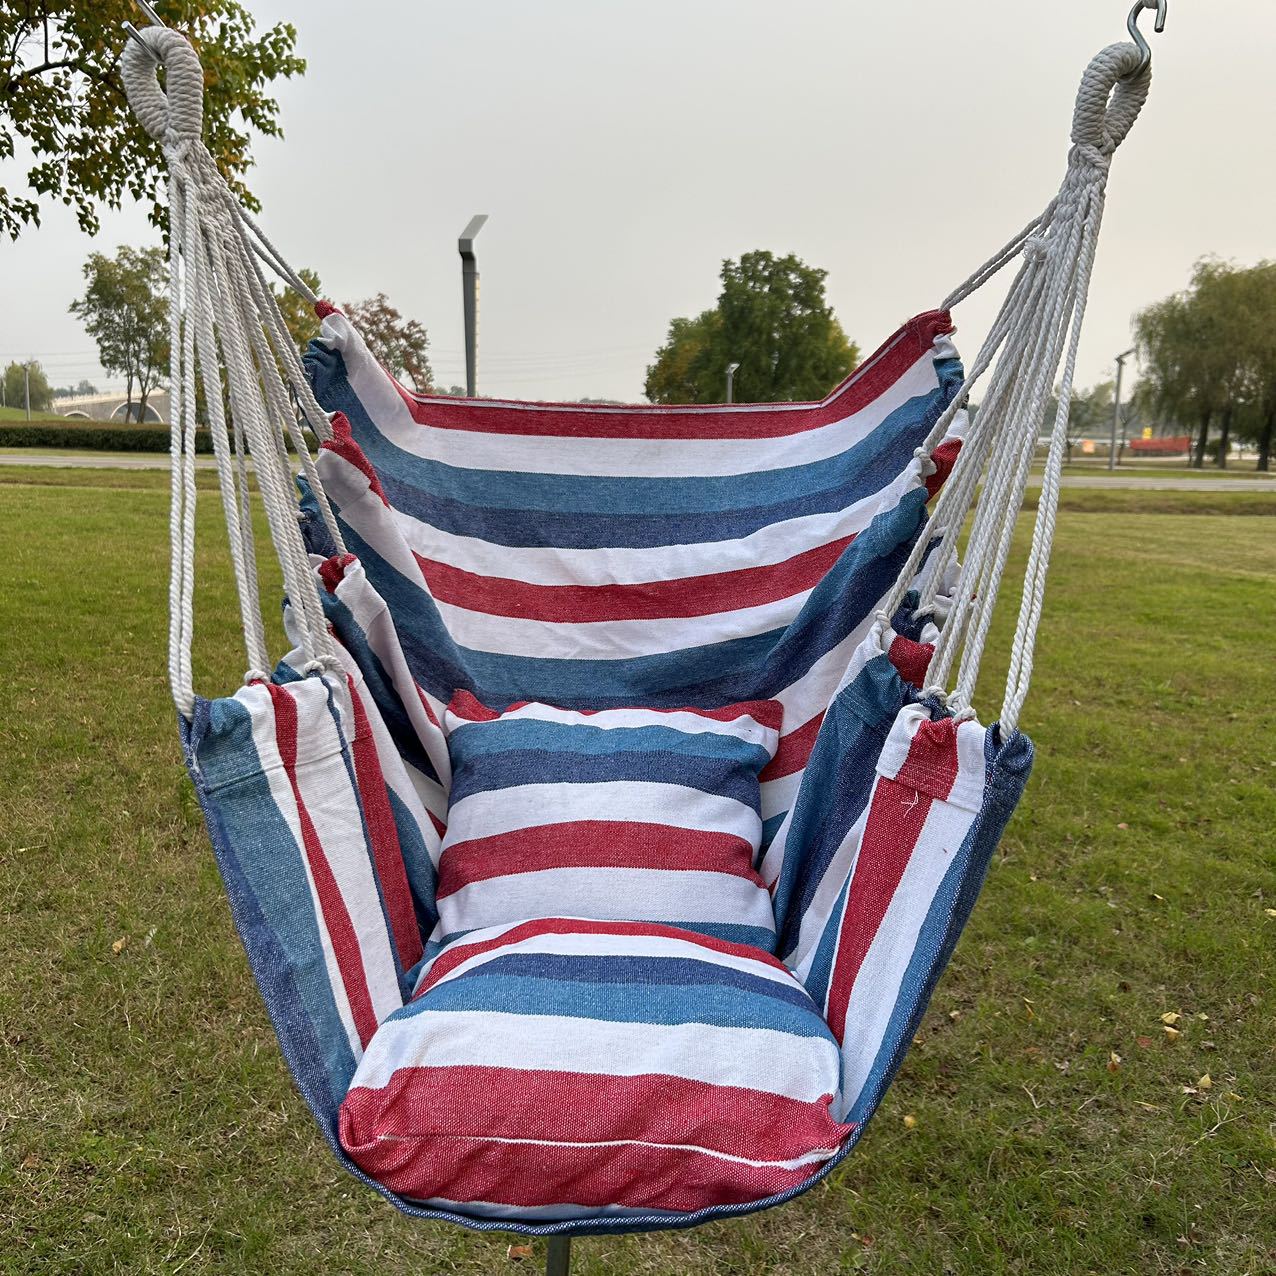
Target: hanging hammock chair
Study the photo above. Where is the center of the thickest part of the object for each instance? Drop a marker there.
(597, 848)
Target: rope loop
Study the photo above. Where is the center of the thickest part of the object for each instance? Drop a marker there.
(1110, 98)
(173, 114)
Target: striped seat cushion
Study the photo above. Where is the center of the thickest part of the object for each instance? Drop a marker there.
(619, 815)
(563, 1068)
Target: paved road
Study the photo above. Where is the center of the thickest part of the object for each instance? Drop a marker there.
(1170, 483)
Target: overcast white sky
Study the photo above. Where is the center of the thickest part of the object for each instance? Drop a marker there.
(624, 149)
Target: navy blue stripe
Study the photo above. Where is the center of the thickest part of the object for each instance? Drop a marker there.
(516, 767)
(682, 972)
(713, 1005)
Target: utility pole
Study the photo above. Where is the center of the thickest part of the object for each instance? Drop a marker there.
(469, 296)
(1116, 409)
(732, 369)
(26, 386)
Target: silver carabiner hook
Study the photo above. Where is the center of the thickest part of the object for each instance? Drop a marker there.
(1132, 25)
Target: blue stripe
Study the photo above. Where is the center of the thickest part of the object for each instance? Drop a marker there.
(1008, 768)
(760, 937)
(264, 874)
(480, 739)
(713, 1005)
(601, 968)
(711, 676)
(515, 767)
(835, 787)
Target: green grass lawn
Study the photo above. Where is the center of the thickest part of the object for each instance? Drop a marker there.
(147, 1122)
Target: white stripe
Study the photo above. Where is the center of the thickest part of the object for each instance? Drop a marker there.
(685, 897)
(613, 639)
(332, 802)
(611, 565)
(496, 811)
(621, 457)
(801, 1068)
(256, 699)
(877, 985)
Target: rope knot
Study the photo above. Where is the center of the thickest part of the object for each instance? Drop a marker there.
(1036, 248)
(1091, 156)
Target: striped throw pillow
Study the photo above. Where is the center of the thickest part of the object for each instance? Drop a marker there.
(616, 815)
(563, 1069)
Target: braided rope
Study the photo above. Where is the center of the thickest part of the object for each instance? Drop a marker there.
(1040, 320)
(224, 315)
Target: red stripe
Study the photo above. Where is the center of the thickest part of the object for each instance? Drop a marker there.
(494, 1102)
(894, 824)
(945, 457)
(794, 751)
(536, 1174)
(332, 571)
(345, 942)
(705, 595)
(866, 383)
(594, 844)
(343, 444)
(911, 659)
(461, 951)
(383, 834)
(931, 765)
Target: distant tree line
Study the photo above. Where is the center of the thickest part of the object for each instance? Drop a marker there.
(1209, 358)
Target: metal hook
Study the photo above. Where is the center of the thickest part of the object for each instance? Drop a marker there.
(134, 34)
(1132, 25)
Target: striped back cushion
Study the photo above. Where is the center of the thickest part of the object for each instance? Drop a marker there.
(562, 1068)
(619, 815)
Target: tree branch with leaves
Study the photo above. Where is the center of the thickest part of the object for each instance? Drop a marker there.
(61, 101)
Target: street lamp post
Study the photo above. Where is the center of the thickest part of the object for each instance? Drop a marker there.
(1116, 409)
(26, 386)
(469, 295)
(732, 369)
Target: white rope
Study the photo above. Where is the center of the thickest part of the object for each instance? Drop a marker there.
(1040, 320)
(223, 315)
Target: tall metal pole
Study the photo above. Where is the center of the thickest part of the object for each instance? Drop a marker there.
(732, 369)
(26, 385)
(469, 295)
(1116, 410)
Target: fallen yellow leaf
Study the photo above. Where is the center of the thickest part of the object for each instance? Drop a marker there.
(1271, 912)
(1233, 1096)
(1204, 1083)
(1172, 1034)
(120, 945)
(1171, 1017)
(518, 1252)
(1114, 1061)
(910, 1122)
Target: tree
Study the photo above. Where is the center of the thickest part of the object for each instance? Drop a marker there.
(400, 345)
(1206, 354)
(19, 378)
(125, 310)
(61, 96)
(772, 319)
(69, 391)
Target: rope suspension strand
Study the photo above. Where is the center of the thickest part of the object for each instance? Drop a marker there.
(1036, 331)
(224, 315)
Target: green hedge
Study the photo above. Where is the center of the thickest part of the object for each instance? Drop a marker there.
(101, 437)
(94, 436)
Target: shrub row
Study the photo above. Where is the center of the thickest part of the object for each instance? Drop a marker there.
(95, 437)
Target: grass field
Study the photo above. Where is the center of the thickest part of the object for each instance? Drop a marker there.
(147, 1122)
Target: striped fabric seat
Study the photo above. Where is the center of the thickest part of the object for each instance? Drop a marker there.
(622, 815)
(564, 1069)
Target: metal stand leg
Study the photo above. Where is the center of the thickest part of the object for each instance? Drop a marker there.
(559, 1259)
